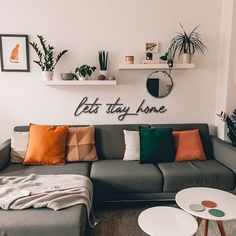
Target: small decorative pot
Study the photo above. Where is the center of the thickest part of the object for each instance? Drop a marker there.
(129, 59)
(67, 76)
(83, 78)
(79, 77)
(47, 75)
(103, 72)
(186, 58)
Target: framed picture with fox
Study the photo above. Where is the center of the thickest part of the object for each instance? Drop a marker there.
(14, 51)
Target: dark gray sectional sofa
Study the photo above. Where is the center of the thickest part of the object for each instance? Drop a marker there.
(118, 180)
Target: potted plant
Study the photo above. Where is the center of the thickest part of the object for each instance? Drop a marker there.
(169, 60)
(186, 44)
(47, 60)
(103, 58)
(84, 72)
(231, 125)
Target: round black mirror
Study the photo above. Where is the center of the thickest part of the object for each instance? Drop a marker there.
(159, 84)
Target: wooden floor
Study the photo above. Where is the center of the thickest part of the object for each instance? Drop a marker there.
(122, 221)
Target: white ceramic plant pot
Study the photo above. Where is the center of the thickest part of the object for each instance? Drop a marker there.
(47, 75)
(186, 58)
(79, 77)
(83, 78)
(103, 72)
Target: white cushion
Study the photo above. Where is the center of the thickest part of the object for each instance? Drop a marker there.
(19, 143)
(132, 145)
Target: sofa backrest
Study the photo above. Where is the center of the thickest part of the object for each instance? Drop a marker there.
(110, 138)
(21, 128)
(110, 142)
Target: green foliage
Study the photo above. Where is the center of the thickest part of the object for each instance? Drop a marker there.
(164, 57)
(185, 43)
(85, 70)
(46, 61)
(231, 125)
(169, 60)
(103, 57)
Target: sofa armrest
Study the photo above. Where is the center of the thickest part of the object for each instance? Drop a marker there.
(5, 149)
(224, 152)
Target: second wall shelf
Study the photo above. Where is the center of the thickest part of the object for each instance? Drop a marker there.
(155, 66)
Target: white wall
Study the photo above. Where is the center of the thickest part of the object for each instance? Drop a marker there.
(231, 93)
(226, 83)
(121, 27)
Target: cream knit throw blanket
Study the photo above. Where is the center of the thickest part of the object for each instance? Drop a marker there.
(52, 191)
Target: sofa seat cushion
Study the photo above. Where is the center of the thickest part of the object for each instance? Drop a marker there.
(43, 222)
(210, 173)
(118, 176)
(70, 168)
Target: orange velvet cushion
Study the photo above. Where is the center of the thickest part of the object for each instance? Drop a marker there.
(188, 146)
(46, 145)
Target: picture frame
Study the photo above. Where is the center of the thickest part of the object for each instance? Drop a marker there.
(152, 47)
(14, 53)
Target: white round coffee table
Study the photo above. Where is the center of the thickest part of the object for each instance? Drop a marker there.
(225, 201)
(167, 221)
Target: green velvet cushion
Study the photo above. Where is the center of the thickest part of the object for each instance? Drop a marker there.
(156, 145)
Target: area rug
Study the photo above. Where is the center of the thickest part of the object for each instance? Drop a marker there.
(123, 221)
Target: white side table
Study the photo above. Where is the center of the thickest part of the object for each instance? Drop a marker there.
(225, 201)
(167, 221)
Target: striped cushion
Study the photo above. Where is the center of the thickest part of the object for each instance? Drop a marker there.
(81, 144)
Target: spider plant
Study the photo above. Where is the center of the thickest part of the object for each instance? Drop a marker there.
(231, 125)
(46, 61)
(103, 57)
(186, 43)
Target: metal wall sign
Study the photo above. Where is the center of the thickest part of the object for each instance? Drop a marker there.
(116, 107)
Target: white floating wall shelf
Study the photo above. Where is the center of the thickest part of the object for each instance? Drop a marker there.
(155, 66)
(80, 82)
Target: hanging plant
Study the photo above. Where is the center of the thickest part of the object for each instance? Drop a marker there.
(231, 125)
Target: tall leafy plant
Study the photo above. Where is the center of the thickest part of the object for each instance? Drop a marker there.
(46, 58)
(231, 125)
(103, 58)
(186, 43)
